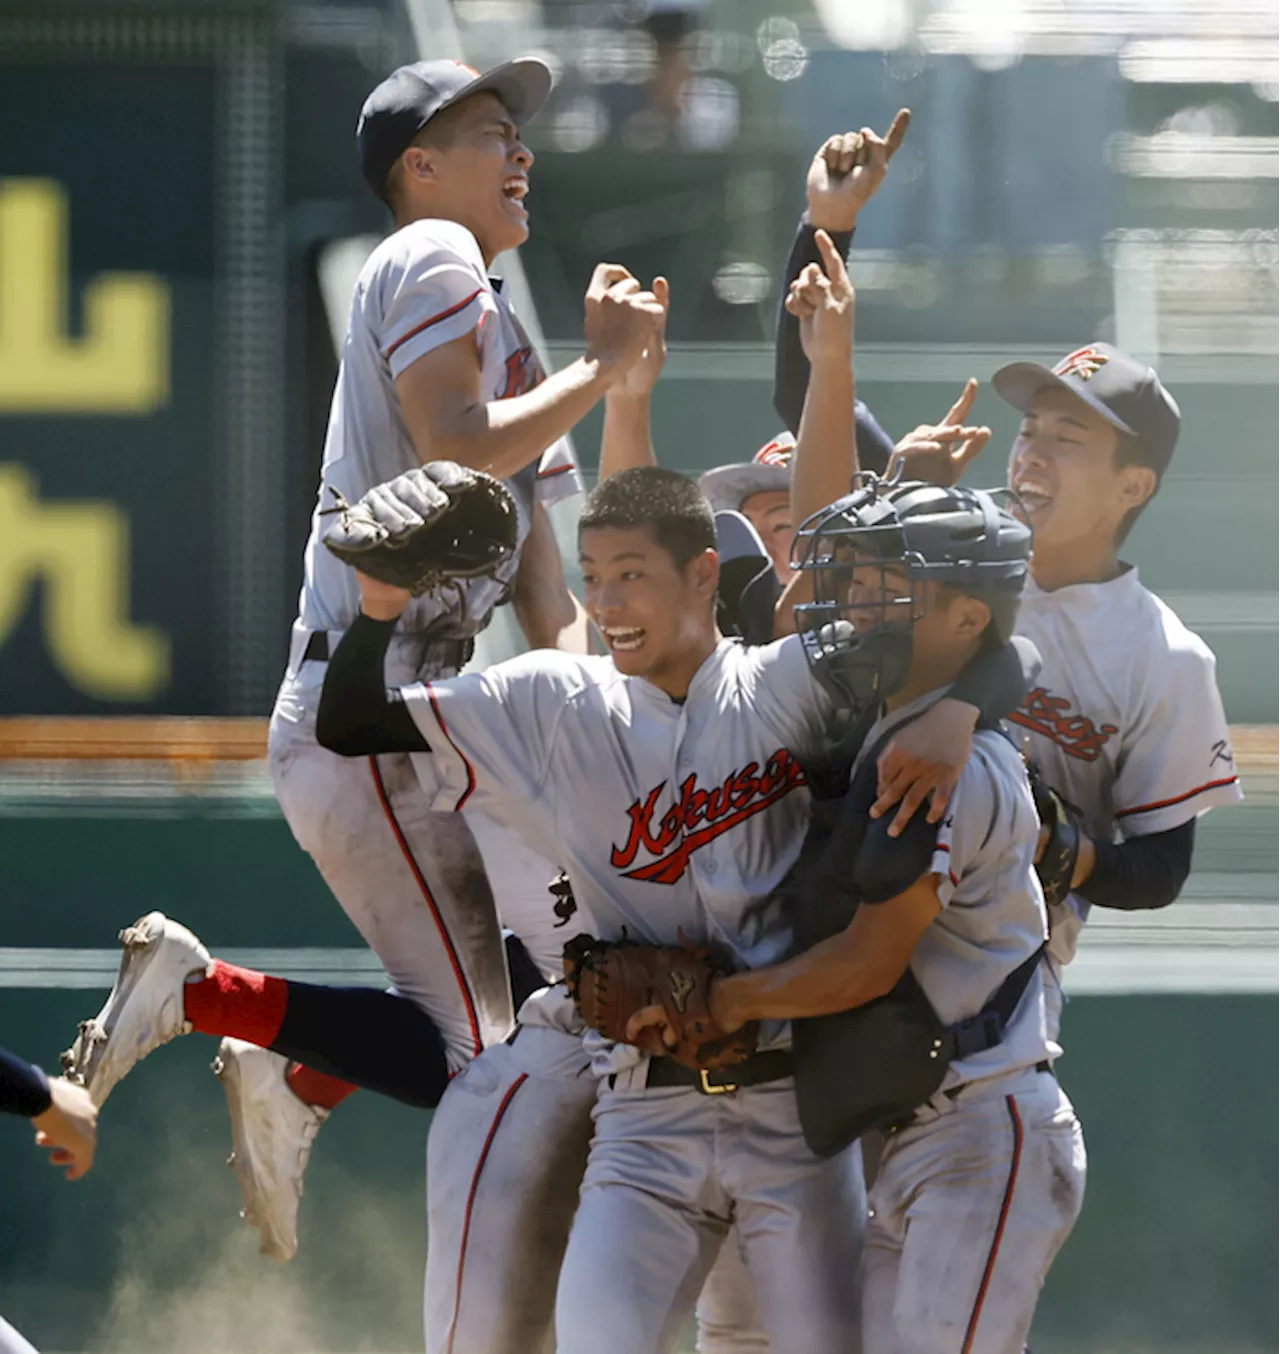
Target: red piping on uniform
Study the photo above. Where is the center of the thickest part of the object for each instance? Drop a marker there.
(972, 1328)
(407, 852)
(555, 470)
(444, 729)
(1178, 799)
(435, 319)
(471, 1199)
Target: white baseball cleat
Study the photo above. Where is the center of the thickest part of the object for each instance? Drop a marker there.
(145, 1008)
(272, 1132)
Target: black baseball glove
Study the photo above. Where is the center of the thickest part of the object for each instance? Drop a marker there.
(1057, 861)
(438, 524)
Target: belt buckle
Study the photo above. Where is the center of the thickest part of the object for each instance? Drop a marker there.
(708, 1088)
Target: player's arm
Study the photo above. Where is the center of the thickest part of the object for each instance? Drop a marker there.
(1140, 874)
(358, 716)
(924, 759)
(627, 440)
(549, 614)
(449, 419)
(826, 457)
(843, 176)
(860, 964)
(65, 1118)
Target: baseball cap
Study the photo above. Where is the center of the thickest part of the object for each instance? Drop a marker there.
(410, 97)
(728, 487)
(1126, 392)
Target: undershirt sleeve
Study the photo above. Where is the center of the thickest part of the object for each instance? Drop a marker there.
(358, 716)
(24, 1088)
(995, 681)
(1143, 872)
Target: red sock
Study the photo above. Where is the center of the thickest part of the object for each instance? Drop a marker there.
(317, 1088)
(238, 1002)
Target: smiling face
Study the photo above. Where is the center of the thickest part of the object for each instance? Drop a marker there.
(770, 513)
(657, 619)
(472, 168)
(1064, 468)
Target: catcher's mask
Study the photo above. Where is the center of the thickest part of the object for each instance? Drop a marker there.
(870, 555)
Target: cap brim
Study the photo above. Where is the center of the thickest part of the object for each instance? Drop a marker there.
(1020, 382)
(522, 85)
(729, 486)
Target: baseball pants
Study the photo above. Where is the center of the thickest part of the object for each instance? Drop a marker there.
(669, 1172)
(411, 880)
(11, 1342)
(969, 1208)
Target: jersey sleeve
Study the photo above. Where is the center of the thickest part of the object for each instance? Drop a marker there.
(490, 732)
(788, 697)
(1177, 761)
(433, 289)
(967, 828)
(558, 474)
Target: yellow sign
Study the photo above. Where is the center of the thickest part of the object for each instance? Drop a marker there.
(80, 551)
(121, 363)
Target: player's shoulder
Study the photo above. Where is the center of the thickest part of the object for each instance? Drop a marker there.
(563, 674)
(431, 242)
(1165, 652)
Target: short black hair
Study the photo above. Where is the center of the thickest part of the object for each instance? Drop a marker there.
(669, 504)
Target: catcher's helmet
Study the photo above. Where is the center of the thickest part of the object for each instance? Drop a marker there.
(858, 640)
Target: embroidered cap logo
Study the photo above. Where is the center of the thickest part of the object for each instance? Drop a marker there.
(1084, 363)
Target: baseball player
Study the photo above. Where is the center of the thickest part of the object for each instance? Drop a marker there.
(1135, 740)
(979, 1186)
(66, 1121)
(1090, 455)
(434, 364)
(675, 710)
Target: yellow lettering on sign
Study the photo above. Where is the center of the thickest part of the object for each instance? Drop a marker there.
(119, 366)
(80, 551)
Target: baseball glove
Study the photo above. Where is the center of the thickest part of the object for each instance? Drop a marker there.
(438, 524)
(611, 980)
(1058, 856)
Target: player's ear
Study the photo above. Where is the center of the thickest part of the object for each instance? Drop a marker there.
(419, 162)
(1137, 484)
(969, 616)
(704, 572)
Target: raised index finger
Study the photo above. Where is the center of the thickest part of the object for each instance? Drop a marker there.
(897, 130)
(831, 260)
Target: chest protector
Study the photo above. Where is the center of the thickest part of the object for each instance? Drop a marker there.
(874, 1065)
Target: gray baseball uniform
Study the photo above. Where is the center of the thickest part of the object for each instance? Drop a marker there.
(975, 1196)
(641, 839)
(1126, 723)
(411, 880)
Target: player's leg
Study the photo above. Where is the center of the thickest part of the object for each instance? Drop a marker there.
(11, 1342)
(728, 1318)
(411, 880)
(169, 985)
(989, 1189)
(505, 1158)
(802, 1221)
(649, 1224)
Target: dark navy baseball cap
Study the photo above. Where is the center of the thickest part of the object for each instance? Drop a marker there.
(1126, 392)
(410, 97)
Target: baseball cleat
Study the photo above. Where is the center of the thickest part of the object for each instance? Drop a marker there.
(272, 1132)
(145, 1008)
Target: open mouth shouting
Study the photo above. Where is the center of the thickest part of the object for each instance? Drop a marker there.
(622, 638)
(1035, 498)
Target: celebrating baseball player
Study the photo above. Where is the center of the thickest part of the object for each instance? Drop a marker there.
(435, 364)
(1135, 742)
(561, 747)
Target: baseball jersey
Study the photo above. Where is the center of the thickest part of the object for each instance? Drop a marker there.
(1126, 721)
(993, 914)
(422, 287)
(667, 816)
